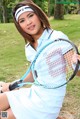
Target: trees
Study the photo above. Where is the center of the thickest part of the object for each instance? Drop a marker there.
(46, 5)
(3, 10)
(79, 4)
(6, 10)
(71, 6)
(58, 10)
(3, 6)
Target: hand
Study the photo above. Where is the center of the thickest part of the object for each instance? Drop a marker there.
(1, 83)
(75, 57)
(4, 86)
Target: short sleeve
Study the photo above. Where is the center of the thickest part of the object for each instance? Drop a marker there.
(58, 34)
(65, 46)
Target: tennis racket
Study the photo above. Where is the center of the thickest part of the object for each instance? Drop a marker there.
(52, 67)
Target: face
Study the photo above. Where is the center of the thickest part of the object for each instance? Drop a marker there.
(30, 23)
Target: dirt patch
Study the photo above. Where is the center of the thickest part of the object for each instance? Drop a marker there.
(71, 108)
(65, 115)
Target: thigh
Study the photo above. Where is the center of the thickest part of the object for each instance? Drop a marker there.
(4, 104)
(8, 114)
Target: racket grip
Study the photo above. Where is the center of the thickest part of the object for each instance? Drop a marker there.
(13, 86)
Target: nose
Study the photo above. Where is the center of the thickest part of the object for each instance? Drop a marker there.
(28, 21)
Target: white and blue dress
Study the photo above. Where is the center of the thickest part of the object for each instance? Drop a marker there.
(38, 102)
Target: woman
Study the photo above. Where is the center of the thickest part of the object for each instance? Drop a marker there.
(35, 102)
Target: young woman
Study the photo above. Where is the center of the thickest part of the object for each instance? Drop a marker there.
(35, 102)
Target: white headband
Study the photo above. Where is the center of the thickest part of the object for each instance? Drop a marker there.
(22, 10)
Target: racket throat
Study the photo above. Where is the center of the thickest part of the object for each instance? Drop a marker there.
(35, 74)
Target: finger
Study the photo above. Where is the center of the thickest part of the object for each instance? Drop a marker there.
(74, 58)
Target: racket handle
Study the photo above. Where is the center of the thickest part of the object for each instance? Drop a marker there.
(13, 86)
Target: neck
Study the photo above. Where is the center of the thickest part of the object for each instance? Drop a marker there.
(37, 35)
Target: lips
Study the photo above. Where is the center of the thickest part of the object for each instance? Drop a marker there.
(31, 27)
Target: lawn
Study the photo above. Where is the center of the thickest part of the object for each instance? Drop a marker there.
(13, 63)
(12, 56)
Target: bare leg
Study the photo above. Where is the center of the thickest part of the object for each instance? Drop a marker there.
(9, 115)
(4, 104)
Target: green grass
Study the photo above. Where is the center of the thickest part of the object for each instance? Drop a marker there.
(12, 56)
(70, 26)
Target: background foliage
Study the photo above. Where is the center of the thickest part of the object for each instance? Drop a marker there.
(50, 7)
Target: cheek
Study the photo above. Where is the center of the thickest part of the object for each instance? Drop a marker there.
(39, 26)
(23, 27)
(38, 22)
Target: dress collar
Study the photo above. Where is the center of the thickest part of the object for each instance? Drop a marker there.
(45, 36)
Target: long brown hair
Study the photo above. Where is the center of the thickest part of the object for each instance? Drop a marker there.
(37, 10)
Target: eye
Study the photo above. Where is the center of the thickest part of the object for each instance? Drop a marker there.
(31, 15)
(21, 21)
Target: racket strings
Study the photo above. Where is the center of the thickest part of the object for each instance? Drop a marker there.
(52, 64)
(69, 65)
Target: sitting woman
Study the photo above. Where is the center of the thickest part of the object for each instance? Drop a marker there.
(37, 101)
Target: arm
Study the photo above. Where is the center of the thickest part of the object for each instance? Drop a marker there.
(72, 59)
(26, 79)
(5, 86)
(29, 78)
